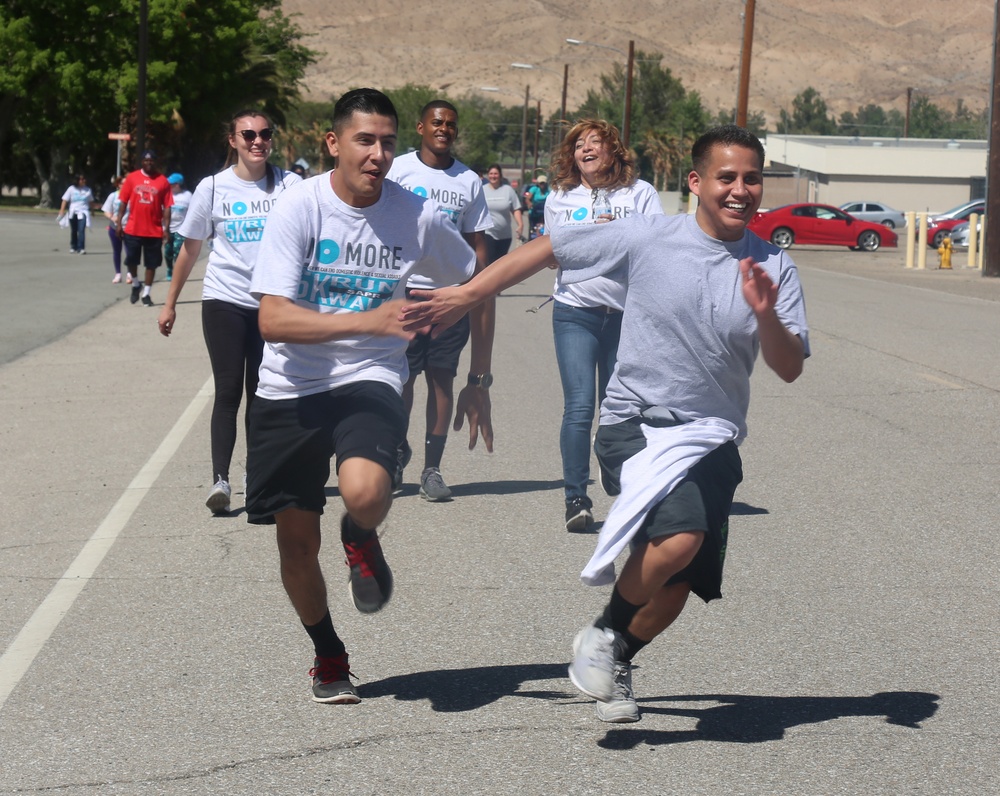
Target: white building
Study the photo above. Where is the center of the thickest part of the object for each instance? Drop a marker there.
(906, 173)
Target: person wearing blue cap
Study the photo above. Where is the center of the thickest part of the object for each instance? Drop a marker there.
(182, 199)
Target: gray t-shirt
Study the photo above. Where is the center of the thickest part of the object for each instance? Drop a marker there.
(689, 339)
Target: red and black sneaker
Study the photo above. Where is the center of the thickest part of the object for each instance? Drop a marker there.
(332, 681)
(370, 582)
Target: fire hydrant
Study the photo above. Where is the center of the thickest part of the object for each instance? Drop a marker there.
(944, 252)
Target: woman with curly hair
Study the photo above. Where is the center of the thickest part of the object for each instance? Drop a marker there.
(594, 181)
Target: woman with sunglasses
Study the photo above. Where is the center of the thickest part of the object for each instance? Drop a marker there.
(594, 181)
(231, 208)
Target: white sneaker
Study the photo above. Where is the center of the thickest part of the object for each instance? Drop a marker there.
(218, 498)
(117, 278)
(593, 668)
(128, 279)
(622, 708)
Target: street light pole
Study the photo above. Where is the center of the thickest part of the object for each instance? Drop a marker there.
(524, 135)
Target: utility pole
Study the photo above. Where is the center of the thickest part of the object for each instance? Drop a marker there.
(906, 122)
(743, 96)
(140, 111)
(991, 229)
(562, 110)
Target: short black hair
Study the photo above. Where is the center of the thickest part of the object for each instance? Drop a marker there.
(362, 100)
(724, 135)
(438, 103)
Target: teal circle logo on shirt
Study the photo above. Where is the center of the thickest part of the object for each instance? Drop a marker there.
(327, 252)
(580, 214)
(420, 191)
(240, 208)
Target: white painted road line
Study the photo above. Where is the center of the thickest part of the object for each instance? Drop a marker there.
(18, 657)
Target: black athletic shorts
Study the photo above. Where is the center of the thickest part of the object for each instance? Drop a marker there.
(440, 353)
(150, 250)
(700, 502)
(291, 442)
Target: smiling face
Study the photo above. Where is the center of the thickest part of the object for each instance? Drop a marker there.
(438, 131)
(591, 156)
(364, 148)
(254, 153)
(729, 189)
(494, 177)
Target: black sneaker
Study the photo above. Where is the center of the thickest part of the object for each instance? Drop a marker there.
(136, 289)
(332, 681)
(147, 300)
(578, 514)
(403, 456)
(370, 582)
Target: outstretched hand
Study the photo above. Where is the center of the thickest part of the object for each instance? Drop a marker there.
(760, 292)
(438, 308)
(474, 403)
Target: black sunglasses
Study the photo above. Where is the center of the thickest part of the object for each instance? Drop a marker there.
(251, 135)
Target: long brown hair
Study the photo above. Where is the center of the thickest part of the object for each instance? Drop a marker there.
(566, 175)
(233, 155)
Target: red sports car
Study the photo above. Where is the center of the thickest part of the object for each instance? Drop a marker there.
(819, 224)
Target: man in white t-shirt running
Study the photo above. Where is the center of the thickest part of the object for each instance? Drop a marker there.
(434, 173)
(330, 277)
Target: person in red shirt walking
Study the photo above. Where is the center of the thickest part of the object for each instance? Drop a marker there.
(147, 197)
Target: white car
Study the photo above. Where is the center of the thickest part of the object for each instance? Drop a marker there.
(876, 212)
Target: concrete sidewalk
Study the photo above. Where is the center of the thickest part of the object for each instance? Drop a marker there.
(854, 651)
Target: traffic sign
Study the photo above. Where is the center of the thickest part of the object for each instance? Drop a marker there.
(119, 137)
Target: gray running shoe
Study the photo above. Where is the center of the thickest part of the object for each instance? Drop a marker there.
(370, 581)
(433, 487)
(218, 498)
(593, 668)
(332, 681)
(622, 708)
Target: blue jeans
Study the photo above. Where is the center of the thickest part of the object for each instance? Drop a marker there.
(586, 342)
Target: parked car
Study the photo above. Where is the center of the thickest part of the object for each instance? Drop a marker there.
(941, 224)
(960, 234)
(814, 223)
(877, 212)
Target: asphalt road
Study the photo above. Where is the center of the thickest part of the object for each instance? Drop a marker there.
(148, 648)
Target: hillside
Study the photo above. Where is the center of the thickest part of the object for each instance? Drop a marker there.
(852, 51)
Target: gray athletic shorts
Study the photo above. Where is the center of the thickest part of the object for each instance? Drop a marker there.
(700, 502)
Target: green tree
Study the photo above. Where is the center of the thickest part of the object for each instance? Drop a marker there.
(809, 116)
(756, 121)
(68, 76)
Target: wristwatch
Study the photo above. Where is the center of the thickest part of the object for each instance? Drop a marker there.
(484, 380)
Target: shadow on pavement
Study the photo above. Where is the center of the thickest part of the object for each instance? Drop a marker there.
(755, 719)
(744, 509)
(456, 690)
(475, 488)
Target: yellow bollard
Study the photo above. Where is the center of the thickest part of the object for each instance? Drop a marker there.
(982, 245)
(973, 219)
(922, 243)
(944, 255)
(910, 232)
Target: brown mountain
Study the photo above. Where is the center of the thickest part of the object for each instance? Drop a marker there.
(852, 51)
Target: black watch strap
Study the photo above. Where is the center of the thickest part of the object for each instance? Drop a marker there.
(484, 380)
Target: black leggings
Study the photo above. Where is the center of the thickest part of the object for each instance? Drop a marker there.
(235, 348)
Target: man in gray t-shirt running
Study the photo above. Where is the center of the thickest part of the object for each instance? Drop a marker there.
(704, 297)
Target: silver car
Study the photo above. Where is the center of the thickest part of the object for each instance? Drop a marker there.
(877, 212)
(960, 234)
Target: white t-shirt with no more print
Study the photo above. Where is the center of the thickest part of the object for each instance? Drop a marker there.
(456, 191)
(330, 257)
(576, 207)
(182, 201)
(236, 211)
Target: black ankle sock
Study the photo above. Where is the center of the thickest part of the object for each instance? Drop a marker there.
(350, 531)
(630, 647)
(325, 640)
(618, 613)
(434, 450)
